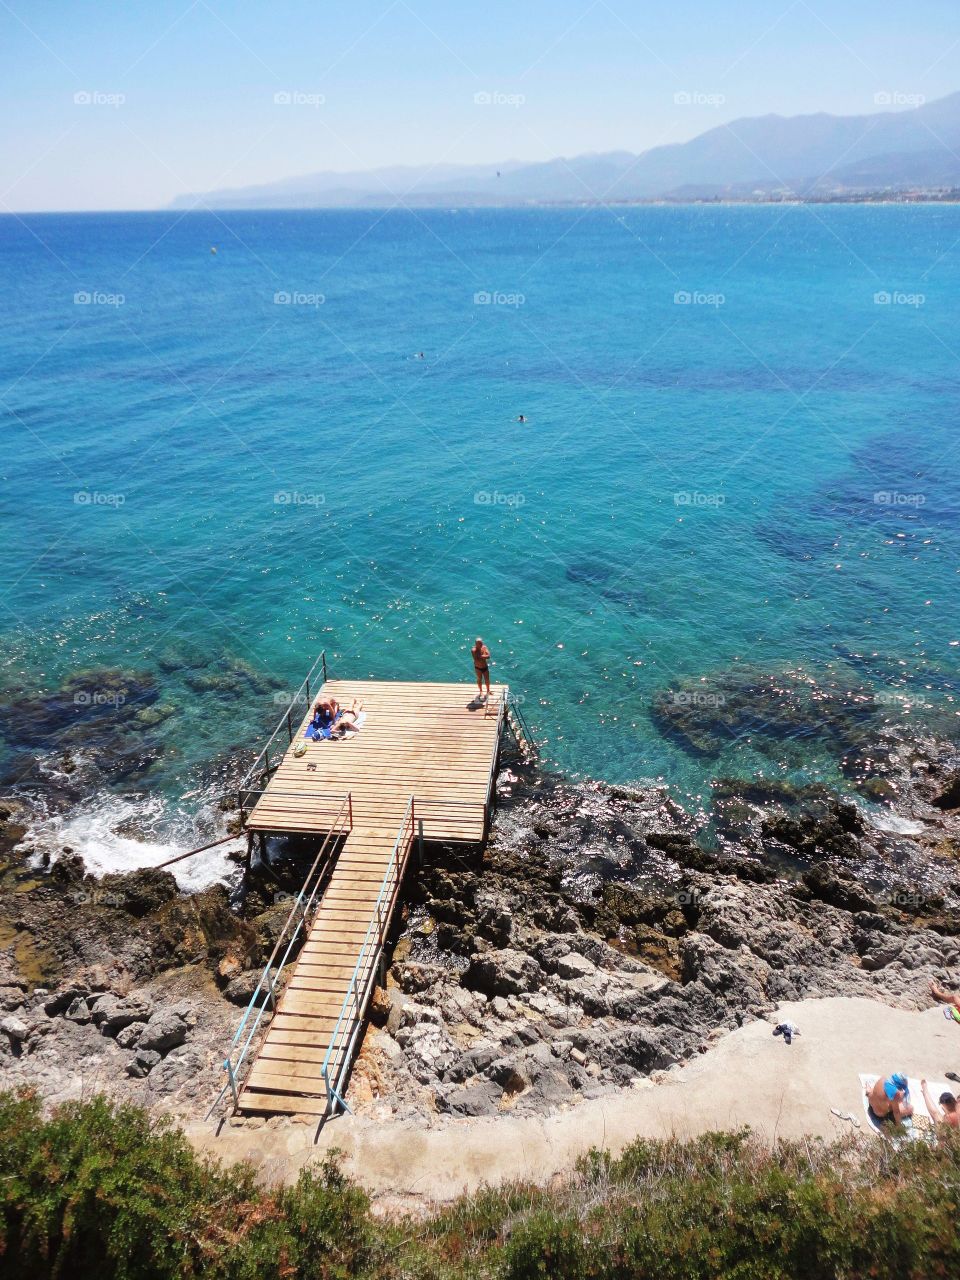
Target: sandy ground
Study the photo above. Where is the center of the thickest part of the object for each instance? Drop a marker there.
(750, 1077)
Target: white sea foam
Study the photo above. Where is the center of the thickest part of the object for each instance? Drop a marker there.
(91, 831)
(894, 824)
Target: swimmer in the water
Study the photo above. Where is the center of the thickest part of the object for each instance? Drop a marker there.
(521, 418)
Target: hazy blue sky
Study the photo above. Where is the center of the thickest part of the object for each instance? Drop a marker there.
(198, 80)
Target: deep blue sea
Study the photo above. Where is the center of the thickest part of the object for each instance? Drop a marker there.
(740, 453)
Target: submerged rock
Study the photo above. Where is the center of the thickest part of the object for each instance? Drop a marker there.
(706, 715)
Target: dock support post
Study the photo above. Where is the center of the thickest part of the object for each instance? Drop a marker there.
(228, 1067)
(323, 665)
(419, 844)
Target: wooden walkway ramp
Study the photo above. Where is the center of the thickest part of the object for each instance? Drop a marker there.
(424, 759)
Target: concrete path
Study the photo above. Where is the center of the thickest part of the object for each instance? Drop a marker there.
(750, 1078)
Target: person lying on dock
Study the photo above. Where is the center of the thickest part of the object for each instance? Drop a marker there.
(889, 1098)
(348, 721)
(326, 713)
(947, 1113)
(945, 996)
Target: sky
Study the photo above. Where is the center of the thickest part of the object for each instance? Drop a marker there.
(126, 104)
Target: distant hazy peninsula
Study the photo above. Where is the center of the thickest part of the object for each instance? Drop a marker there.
(911, 154)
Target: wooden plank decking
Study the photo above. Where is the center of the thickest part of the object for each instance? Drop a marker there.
(426, 741)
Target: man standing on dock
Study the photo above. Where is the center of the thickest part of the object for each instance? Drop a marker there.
(481, 665)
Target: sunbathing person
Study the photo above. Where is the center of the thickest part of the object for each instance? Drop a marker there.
(347, 722)
(945, 996)
(889, 1098)
(326, 714)
(947, 1113)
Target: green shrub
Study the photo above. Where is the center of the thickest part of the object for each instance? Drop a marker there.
(319, 1227)
(101, 1190)
(547, 1246)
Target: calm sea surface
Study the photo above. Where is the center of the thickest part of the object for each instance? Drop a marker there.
(742, 452)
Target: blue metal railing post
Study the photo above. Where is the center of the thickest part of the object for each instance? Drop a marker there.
(232, 1080)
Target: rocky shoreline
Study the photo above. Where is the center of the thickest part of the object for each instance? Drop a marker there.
(603, 936)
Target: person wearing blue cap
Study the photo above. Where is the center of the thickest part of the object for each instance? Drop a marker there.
(889, 1098)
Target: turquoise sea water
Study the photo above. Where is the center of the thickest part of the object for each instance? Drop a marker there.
(764, 475)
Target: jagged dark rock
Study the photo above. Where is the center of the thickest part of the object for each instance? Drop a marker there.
(839, 890)
(503, 973)
(948, 796)
(138, 892)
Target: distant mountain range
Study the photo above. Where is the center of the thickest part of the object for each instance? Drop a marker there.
(762, 156)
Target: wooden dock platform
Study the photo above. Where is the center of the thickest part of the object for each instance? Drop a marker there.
(424, 760)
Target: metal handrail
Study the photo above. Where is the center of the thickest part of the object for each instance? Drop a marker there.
(381, 919)
(515, 710)
(430, 807)
(299, 916)
(501, 715)
(285, 719)
(244, 794)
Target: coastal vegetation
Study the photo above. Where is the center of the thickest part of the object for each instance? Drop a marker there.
(99, 1188)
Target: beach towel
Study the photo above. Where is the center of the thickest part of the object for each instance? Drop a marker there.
(321, 733)
(317, 732)
(921, 1123)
